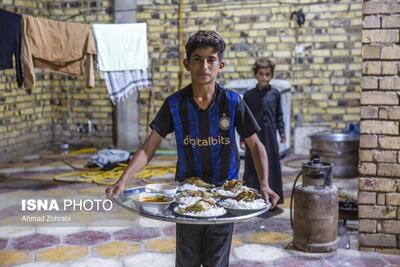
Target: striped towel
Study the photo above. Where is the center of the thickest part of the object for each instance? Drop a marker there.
(120, 84)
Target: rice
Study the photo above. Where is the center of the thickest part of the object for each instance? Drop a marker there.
(187, 200)
(191, 187)
(213, 212)
(234, 204)
(224, 193)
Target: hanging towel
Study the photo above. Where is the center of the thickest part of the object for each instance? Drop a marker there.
(58, 46)
(120, 84)
(121, 46)
(10, 43)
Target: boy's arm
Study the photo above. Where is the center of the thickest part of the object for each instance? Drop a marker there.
(260, 159)
(138, 161)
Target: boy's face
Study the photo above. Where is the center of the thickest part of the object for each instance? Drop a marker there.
(263, 77)
(204, 65)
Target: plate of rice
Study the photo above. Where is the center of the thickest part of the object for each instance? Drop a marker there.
(193, 187)
(210, 213)
(244, 207)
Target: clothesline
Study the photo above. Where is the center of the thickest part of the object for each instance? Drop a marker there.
(71, 48)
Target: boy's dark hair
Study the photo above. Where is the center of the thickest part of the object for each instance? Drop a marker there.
(264, 63)
(203, 39)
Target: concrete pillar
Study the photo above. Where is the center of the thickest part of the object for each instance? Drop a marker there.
(126, 111)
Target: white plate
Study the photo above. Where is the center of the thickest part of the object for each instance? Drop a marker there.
(194, 215)
(241, 211)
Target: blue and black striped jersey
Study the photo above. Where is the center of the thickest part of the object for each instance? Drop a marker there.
(205, 139)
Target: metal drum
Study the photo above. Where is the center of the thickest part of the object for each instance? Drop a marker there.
(339, 149)
(315, 223)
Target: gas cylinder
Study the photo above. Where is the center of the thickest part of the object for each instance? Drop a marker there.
(315, 220)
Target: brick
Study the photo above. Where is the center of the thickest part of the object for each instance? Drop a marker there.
(392, 21)
(368, 226)
(379, 127)
(393, 199)
(390, 52)
(369, 141)
(377, 212)
(389, 142)
(371, 52)
(391, 227)
(374, 7)
(369, 112)
(365, 197)
(368, 82)
(388, 169)
(377, 98)
(377, 184)
(367, 168)
(380, 36)
(389, 83)
(381, 7)
(390, 68)
(380, 198)
(384, 156)
(372, 68)
(365, 155)
(371, 22)
(377, 240)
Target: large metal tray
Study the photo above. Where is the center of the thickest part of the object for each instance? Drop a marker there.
(170, 216)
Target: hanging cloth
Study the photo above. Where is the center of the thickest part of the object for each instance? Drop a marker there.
(122, 58)
(58, 46)
(120, 84)
(121, 46)
(10, 43)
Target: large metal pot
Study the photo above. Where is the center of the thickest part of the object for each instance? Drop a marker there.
(340, 149)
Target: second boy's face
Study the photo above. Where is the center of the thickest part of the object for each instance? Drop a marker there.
(204, 65)
(263, 77)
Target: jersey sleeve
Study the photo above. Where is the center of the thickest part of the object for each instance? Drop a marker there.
(246, 124)
(163, 123)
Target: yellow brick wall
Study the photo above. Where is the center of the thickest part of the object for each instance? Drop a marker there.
(325, 77)
(379, 166)
(33, 119)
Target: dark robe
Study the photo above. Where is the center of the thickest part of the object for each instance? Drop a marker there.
(265, 104)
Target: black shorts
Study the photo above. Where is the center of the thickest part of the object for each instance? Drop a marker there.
(207, 245)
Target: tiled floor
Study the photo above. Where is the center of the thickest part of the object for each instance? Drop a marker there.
(121, 238)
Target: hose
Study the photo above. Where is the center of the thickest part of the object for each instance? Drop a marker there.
(292, 197)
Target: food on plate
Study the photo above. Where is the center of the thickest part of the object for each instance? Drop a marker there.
(195, 193)
(202, 208)
(246, 195)
(240, 204)
(233, 185)
(201, 205)
(157, 198)
(197, 181)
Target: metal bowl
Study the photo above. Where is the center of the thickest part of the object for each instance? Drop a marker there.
(167, 189)
(152, 207)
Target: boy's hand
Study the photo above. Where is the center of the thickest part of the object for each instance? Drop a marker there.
(269, 195)
(115, 189)
(283, 138)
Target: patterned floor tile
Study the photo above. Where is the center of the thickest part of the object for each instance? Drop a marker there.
(87, 238)
(13, 257)
(151, 259)
(116, 249)
(161, 245)
(34, 242)
(136, 234)
(97, 262)
(62, 254)
(259, 253)
(262, 237)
